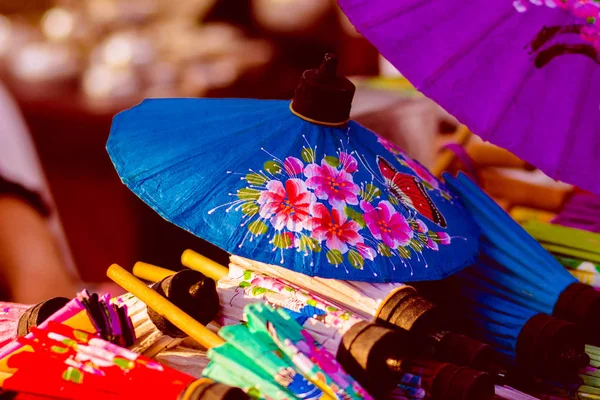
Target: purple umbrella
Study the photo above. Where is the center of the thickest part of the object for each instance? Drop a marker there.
(522, 74)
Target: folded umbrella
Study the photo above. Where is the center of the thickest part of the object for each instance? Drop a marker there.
(395, 305)
(523, 270)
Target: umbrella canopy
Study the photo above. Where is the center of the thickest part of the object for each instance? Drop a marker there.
(287, 186)
(524, 77)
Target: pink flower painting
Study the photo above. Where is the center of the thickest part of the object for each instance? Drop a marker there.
(349, 163)
(286, 207)
(328, 183)
(445, 239)
(386, 224)
(293, 166)
(329, 206)
(335, 228)
(368, 253)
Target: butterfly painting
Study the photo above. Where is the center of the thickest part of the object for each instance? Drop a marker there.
(410, 192)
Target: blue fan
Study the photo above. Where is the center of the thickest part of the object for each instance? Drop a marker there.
(521, 270)
(295, 184)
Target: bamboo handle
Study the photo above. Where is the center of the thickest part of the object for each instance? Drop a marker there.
(164, 307)
(208, 267)
(151, 273)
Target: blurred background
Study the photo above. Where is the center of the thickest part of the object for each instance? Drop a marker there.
(71, 65)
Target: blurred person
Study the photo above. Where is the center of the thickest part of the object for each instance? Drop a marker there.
(35, 263)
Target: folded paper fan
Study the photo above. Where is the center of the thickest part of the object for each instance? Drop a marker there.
(88, 312)
(67, 363)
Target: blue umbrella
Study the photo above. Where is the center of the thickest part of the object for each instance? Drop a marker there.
(295, 184)
(523, 271)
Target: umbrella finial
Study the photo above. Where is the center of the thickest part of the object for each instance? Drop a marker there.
(329, 66)
(323, 97)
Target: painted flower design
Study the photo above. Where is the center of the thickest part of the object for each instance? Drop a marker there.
(329, 208)
(293, 166)
(368, 253)
(431, 244)
(421, 227)
(444, 238)
(335, 228)
(386, 224)
(328, 183)
(286, 207)
(348, 162)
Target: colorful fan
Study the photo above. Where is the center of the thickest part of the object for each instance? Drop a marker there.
(72, 364)
(304, 187)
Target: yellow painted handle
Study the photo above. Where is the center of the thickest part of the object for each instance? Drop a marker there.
(151, 273)
(164, 307)
(208, 267)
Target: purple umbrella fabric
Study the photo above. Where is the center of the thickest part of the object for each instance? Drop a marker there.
(581, 211)
(522, 74)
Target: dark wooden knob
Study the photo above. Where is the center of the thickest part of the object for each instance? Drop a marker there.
(39, 313)
(323, 96)
(191, 291)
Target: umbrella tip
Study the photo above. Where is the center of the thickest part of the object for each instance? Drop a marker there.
(323, 97)
(329, 66)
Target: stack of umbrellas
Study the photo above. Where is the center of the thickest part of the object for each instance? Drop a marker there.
(363, 349)
(321, 196)
(275, 344)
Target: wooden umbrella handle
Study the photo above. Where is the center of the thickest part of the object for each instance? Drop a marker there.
(164, 307)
